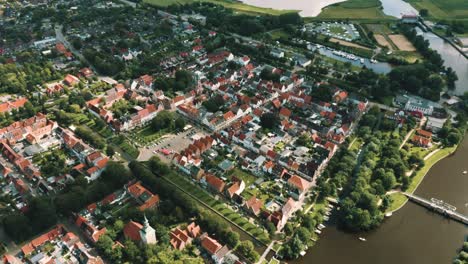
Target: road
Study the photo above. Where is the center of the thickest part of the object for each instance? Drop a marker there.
(61, 38)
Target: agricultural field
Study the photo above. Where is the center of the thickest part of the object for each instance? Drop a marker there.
(402, 42)
(443, 9)
(382, 41)
(237, 6)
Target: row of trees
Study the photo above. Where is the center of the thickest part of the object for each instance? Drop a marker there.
(211, 223)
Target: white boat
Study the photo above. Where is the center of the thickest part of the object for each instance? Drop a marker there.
(465, 172)
(362, 239)
(362, 60)
(388, 214)
(318, 231)
(302, 253)
(321, 226)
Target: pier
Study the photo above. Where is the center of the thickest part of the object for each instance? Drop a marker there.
(440, 207)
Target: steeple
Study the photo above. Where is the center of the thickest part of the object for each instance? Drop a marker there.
(147, 233)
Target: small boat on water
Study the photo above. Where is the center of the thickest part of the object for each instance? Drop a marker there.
(465, 172)
(388, 214)
(318, 232)
(362, 239)
(302, 253)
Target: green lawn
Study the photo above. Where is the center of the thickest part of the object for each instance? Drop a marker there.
(279, 33)
(245, 176)
(443, 9)
(235, 5)
(398, 199)
(126, 146)
(354, 9)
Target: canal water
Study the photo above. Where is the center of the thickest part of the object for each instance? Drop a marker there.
(413, 234)
(452, 58)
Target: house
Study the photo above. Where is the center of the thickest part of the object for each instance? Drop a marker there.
(214, 248)
(277, 53)
(181, 238)
(299, 186)
(7, 107)
(409, 19)
(424, 133)
(285, 113)
(86, 72)
(435, 124)
(145, 198)
(254, 205)
(340, 96)
(421, 141)
(236, 188)
(214, 183)
(143, 234)
(71, 80)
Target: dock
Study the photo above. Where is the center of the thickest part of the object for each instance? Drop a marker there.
(440, 207)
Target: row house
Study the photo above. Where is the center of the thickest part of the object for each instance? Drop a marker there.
(179, 238)
(7, 107)
(34, 128)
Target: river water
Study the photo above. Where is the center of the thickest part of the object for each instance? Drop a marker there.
(413, 234)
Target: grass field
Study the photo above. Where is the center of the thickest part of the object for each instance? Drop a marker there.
(354, 9)
(237, 6)
(443, 9)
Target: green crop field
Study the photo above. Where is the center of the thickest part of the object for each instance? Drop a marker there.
(443, 9)
(237, 6)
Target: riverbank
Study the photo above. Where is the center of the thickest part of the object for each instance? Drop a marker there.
(399, 200)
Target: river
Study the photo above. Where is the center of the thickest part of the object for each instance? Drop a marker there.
(413, 234)
(452, 58)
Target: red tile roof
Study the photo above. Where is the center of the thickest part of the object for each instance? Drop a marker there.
(215, 182)
(299, 183)
(132, 231)
(211, 245)
(285, 112)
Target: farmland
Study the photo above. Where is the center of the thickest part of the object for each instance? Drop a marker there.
(443, 9)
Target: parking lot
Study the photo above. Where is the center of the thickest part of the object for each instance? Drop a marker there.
(170, 144)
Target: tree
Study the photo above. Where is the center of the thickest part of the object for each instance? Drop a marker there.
(453, 138)
(424, 12)
(268, 120)
(288, 229)
(42, 213)
(17, 226)
(231, 238)
(110, 151)
(247, 249)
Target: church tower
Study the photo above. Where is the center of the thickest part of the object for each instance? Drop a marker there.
(148, 234)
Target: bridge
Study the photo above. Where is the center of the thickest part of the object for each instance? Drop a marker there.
(440, 207)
